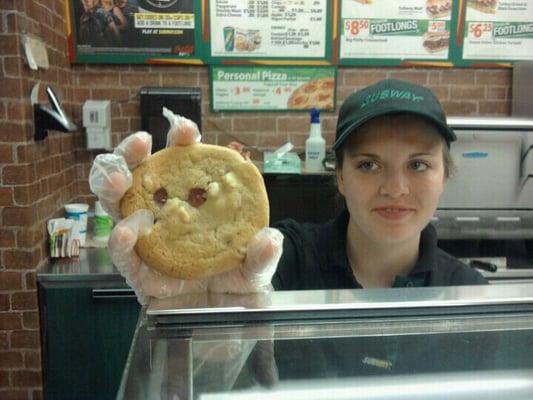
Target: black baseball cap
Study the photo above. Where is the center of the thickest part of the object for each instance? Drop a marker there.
(390, 96)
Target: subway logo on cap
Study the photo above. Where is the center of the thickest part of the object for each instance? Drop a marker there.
(391, 94)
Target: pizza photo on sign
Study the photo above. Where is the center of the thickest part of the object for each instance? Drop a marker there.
(438, 8)
(317, 93)
(485, 6)
(434, 42)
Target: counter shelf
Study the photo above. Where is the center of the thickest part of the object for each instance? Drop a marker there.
(448, 341)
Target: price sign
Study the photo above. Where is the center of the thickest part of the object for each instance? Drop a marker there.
(437, 26)
(480, 30)
(356, 27)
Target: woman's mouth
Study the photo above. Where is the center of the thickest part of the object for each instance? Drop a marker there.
(393, 213)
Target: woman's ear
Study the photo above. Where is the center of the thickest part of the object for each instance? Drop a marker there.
(340, 180)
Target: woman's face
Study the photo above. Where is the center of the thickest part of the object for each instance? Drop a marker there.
(88, 4)
(392, 177)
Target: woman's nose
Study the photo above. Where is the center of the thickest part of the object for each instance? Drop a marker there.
(394, 184)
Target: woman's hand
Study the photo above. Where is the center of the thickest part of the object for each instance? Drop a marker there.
(111, 177)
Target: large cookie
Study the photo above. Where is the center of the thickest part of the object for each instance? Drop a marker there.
(208, 202)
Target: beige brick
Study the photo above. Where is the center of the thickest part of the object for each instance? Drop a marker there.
(467, 92)
(4, 375)
(441, 92)
(26, 378)
(24, 301)
(21, 259)
(254, 123)
(139, 79)
(25, 339)
(11, 359)
(27, 194)
(459, 108)
(7, 238)
(497, 93)
(110, 94)
(18, 174)
(30, 320)
(411, 75)
(5, 304)
(10, 321)
(293, 124)
(179, 79)
(37, 394)
(97, 79)
(14, 394)
(6, 153)
(32, 359)
(4, 341)
(298, 140)
(494, 107)
(458, 77)
(359, 77)
(213, 124)
(500, 77)
(6, 196)
(245, 138)
(10, 280)
(18, 216)
(12, 66)
(31, 280)
(269, 142)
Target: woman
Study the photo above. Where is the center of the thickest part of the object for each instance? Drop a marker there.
(393, 159)
(392, 147)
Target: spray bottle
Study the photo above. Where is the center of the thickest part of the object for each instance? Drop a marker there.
(315, 145)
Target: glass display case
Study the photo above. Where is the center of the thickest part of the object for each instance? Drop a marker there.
(468, 342)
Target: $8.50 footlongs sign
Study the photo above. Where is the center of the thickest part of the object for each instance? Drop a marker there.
(499, 33)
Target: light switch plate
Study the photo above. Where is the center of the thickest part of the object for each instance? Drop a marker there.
(35, 52)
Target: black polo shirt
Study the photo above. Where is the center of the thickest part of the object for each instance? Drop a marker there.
(314, 257)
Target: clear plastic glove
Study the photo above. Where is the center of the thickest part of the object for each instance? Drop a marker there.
(111, 177)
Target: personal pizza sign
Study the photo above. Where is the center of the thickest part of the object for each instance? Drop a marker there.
(253, 88)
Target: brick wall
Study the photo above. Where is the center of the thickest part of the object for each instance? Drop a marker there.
(38, 178)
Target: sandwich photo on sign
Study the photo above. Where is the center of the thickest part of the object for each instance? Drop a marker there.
(436, 41)
(485, 6)
(365, 1)
(438, 8)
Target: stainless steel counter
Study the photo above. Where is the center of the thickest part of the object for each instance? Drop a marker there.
(96, 264)
(458, 344)
(93, 264)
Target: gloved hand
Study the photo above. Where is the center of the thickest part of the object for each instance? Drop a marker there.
(111, 177)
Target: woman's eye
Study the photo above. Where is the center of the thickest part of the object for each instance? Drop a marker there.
(367, 166)
(419, 165)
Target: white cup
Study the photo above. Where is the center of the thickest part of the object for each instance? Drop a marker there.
(78, 213)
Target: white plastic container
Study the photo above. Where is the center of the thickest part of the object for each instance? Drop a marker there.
(103, 223)
(315, 145)
(78, 213)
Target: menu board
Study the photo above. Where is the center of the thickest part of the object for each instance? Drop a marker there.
(387, 32)
(253, 88)
(269, 29)
(497, 30)
(132, 31)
